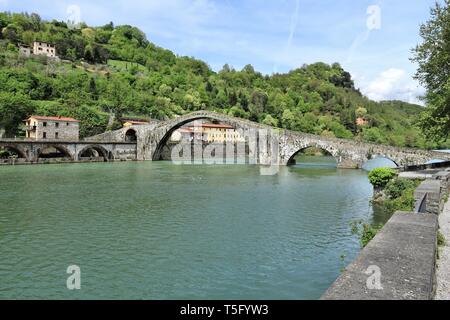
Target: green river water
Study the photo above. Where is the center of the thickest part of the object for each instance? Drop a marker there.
(155, 230)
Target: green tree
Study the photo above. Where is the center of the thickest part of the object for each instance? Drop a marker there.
(270, 121)
(13, 109)
(433, 58)
(380, 177)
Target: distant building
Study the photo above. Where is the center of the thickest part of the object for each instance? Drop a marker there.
(44, 49)
(182, 134)
(208, 132)
(361, 122)
(52, 128)
(24, 51)
(126, 122)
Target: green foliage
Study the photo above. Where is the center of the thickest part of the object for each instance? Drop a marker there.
(400, 195)
(366, 232)
(380, 177)
(441, 241)
(433, 58)
(116, 70)
(395, 188)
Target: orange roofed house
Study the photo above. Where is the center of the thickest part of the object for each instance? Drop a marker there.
(52, 128)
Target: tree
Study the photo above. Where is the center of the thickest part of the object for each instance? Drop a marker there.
(11, 33)
(270, 121)
(13, 109)
(380, 177)
(361, 112)
(433, 58)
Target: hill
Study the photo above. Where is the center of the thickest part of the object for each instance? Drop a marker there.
(115, 70)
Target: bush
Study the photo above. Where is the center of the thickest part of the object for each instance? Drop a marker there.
(380, 177)
(366, 232)
(395, 188)
(400, 193)
(441, 241)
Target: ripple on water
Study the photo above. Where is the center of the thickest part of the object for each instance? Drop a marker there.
(159, 231)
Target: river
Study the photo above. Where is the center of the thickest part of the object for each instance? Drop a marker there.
(155, 230)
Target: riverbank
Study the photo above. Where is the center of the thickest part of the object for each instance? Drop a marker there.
(443, 264)
(400, 262)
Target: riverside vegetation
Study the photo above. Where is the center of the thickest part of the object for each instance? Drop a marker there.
(112, 71)
(391, 194)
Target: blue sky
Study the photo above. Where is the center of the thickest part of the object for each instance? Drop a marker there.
(370, 38)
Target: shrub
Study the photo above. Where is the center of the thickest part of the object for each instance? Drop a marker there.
(395, 188)
(400, 194)
(366, 232)
(381, 176)
(441, 240)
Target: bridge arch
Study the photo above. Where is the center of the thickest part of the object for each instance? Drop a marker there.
(376, 161)
(130, 135)
(61, 149)
(16, 149)
(102, 152)
(326, 148)
(163, 133)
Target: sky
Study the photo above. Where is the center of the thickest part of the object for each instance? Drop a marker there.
(372, 39)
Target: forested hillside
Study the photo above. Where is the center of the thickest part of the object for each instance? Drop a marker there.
(111, 70)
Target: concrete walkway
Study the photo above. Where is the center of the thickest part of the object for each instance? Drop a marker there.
(443, 264)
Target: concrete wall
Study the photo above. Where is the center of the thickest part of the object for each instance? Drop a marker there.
(402, 256)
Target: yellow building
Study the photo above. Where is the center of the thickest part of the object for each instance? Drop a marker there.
(216, 133)
(133, 122)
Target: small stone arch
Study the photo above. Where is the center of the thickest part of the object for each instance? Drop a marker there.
(130, 135)
(329, 150)
(102, 152)
(16, 149)
(382, 156)
(62, 149)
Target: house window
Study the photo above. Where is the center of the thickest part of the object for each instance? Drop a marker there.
(56, 135)
(44, 135)
(67, 124)
(57, 124)
(44, 124)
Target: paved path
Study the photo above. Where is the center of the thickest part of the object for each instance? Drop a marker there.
(443, 264)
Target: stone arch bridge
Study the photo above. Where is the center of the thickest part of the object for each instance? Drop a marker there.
(32, 151)
(266, 145)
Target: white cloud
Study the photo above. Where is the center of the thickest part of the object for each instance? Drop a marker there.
(394, 84)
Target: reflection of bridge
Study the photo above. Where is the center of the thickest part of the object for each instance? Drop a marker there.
(264, 145)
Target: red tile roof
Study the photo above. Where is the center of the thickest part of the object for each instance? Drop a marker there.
(66, 119)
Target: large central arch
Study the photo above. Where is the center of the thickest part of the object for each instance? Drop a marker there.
(162, 134)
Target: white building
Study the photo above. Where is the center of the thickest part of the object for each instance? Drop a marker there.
(44, 49)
